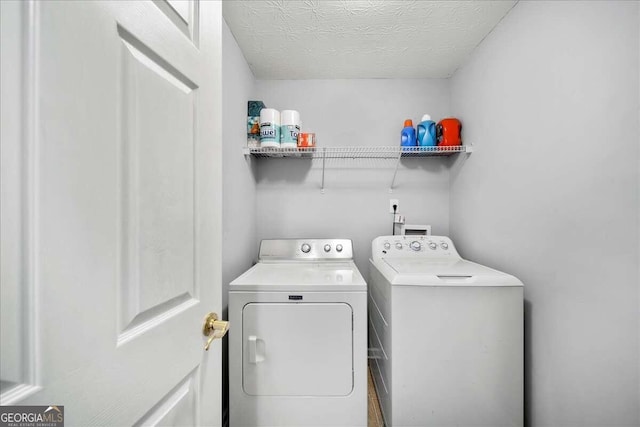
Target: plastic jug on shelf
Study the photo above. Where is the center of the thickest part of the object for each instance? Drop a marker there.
(427, 132)
(408, 134)
(449, 131)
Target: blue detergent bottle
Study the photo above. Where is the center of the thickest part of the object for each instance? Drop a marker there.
(427, 132)
(408, 134)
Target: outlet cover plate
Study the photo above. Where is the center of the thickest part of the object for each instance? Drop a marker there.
(394, 202)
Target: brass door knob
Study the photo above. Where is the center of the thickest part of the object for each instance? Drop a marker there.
(214, 328)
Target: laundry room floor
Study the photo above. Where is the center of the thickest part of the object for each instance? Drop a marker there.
(375, 414)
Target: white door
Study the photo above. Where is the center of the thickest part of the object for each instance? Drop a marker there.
(110, 209)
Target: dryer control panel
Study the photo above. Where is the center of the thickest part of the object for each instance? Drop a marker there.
(306, 249)
(413, 247)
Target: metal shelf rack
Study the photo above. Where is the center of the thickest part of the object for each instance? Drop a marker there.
(325, 154)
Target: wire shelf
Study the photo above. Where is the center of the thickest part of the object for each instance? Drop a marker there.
(327, 155)
(361, 152)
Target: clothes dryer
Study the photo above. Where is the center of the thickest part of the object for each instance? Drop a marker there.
(446, 335)
(298, 342)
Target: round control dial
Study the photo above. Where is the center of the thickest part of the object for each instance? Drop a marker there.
(327, 248)
(398, 245)
(444, 245)
(339, 247)
(387, 245)
(433, 246)
(415, 245)
(305, 248)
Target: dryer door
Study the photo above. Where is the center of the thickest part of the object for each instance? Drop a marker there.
(297, 349)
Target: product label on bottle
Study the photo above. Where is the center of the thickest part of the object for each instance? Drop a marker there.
(427, 134)
(269, 132)
(253, 125)
(289, 134)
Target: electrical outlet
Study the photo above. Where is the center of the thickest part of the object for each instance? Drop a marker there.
(394, 202)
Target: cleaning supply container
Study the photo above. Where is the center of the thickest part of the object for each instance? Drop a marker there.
(269, 128)
(253, 123)
(449, 131)
(306, 140)
(427, 132)
(408, 134)
(289, 128)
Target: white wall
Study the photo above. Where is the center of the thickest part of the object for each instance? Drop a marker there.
(356, 200)
(239, 196)
(239, 188)
(550, 101)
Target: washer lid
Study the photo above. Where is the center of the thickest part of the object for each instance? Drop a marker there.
(301, 276)
(443, 272)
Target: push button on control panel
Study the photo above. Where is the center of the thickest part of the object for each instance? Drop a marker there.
(433, 246)
(444, 245)
(327, 248)
(305, 248)
(398, 245)
(339, 247)
(387, 245)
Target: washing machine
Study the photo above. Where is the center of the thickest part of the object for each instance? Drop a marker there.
(298, 342)
(446, 336)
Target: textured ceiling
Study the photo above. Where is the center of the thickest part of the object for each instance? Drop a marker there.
(319, 39)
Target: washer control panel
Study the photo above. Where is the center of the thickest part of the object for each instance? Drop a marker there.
(306, 249)
(413, 246)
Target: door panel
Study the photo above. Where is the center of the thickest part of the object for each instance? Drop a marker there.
(297, 349)
(176, 408)
(159, 105)
(183, 14)
(11, 353)
(18, 351)
(121, 188)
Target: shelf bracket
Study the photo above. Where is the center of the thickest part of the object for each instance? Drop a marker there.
(324, 157)
(395, 172)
